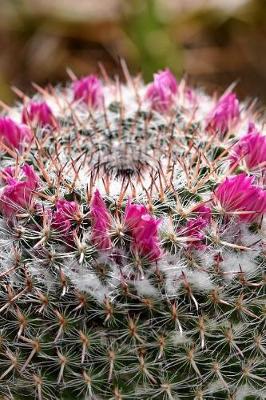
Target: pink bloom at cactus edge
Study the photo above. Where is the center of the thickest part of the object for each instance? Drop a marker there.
(144, 230)
(16, 173)
(250, 150)
(224, 115)
(38, 113)
(89, 90)
(17, 195)
(66, 213)
(14, 135)
(194, 231)
(145, 236)
(133, 214)
(238, 196)
(100, 223)
(7, 174)
(161, 92)
(203, 212)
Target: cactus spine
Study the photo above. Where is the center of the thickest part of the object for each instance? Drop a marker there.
(132, 243)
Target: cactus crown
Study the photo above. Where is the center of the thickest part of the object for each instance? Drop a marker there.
(132, 243)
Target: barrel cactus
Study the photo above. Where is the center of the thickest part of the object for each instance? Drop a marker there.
(132, 240)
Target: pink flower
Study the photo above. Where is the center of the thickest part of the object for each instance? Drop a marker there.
(161, 92)
(194, 230)
(38, 113)
(144, 230)
(90, 90)
(7, 174)
(14, 135)
(25, 173)
(33, 180)
(133, 214)
(100, 222)
(66, 212)
(250, 149)
(18, 193)
(238, 195)
(146, 240)
(224, 115)
(203, 212)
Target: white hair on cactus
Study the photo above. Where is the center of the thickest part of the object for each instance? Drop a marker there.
(234, 262)
(215, 386)
(42, 274)
(172, 267)
(206, 258)
(8, 249)
(200, 280)
(84, 276)
(245, 391)
(249, 238)
(176, 338)
(6, 239)
(145, 288)
(86, 280)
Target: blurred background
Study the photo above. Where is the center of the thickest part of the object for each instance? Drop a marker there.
(212, 42)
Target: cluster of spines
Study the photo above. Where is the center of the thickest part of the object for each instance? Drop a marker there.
(107, 298)
(138, 346)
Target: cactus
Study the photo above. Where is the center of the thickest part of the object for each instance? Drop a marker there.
(132, 242)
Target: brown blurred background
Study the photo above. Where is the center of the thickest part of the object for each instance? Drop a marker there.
(215, 42)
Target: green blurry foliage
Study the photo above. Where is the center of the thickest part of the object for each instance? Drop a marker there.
(152, 38)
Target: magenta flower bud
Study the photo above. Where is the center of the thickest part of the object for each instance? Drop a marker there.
(250, 150)
(89, 90)
(100, 223)
(146, 239)
(133, 214)
(167, 80)
(14, 135)
(194, 230)
(17, 195)
(161, 91)
(11, 174)
(144, 230)
(237, 195)
(224, 115)
(31, 176)
(38, 114)
(8, 174)
(204, 212)
(66, 212)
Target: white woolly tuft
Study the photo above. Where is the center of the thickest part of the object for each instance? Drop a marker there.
(206, 258)
(234, 262)
(177, 339)
(145, 288)
(245, 391)
(172, 267)
(86, 281)
(200, 280)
